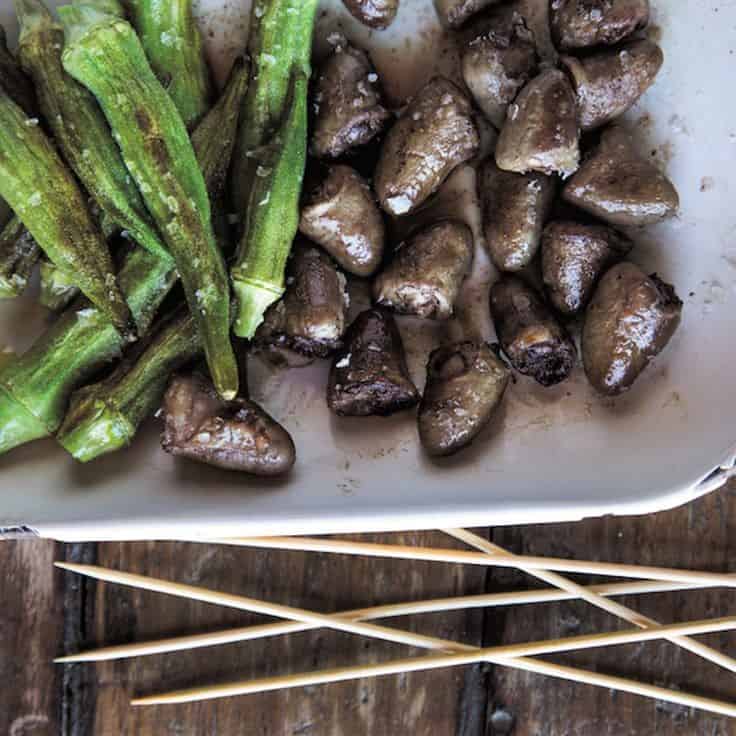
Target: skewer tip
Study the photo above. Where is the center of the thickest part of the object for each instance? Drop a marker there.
(68, 658)
(151, 700)
(66, 565)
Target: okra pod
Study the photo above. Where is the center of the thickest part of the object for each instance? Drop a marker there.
(104, 53)
(13, 80)
(35, 387)
(271, 218)
(105, 416)
(80, 128)
(271, 155)
(18, 256)
(44, 194)
(280, 41)
(214, 138)
(173, 44)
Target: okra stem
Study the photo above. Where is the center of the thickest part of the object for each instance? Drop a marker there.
(45, 196)
(271, 219)
(173, 44)
(104, 53)
(271, 155)
(105, 416)
(57, 289)
(18, 256)
(80, 128)
(35, 387)
(80, 342)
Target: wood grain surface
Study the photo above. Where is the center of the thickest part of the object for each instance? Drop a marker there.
(45, 613)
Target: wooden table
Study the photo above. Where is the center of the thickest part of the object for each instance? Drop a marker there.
(45, 613)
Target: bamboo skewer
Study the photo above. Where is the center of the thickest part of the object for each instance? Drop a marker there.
(403, 552)
(613, 607)
(247, 633)
(253, 604)
(461, 653)
(425, 663)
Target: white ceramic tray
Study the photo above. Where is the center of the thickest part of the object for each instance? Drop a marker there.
(559, 454)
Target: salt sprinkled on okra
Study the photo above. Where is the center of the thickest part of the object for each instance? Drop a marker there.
(152, 134)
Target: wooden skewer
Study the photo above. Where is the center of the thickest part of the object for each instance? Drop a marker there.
(428, 554)
(528, 664)
(461, 653)
(248, 633)
(253, 604)
(617, 609)
(508, 655)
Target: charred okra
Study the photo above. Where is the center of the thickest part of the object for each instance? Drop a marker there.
(271, 155)
(173, 44)
(80, 128)
(104, 53)
(104, 417)
(18, 256)
(280, 46)
(44, 194)
(35, 387)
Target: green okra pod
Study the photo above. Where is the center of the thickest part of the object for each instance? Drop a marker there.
(173, 44)
(104, 417)
(270, 156)
(18, 257)
(44, 194)
(104, 53)
(280, 40)
(35, 387)
(13, 80)
(79, 127)
(214, 138)
(271, 218)
(37, 384)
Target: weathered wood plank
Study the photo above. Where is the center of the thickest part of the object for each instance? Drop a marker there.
(31, 623)
(699, 536)
(437, 703)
